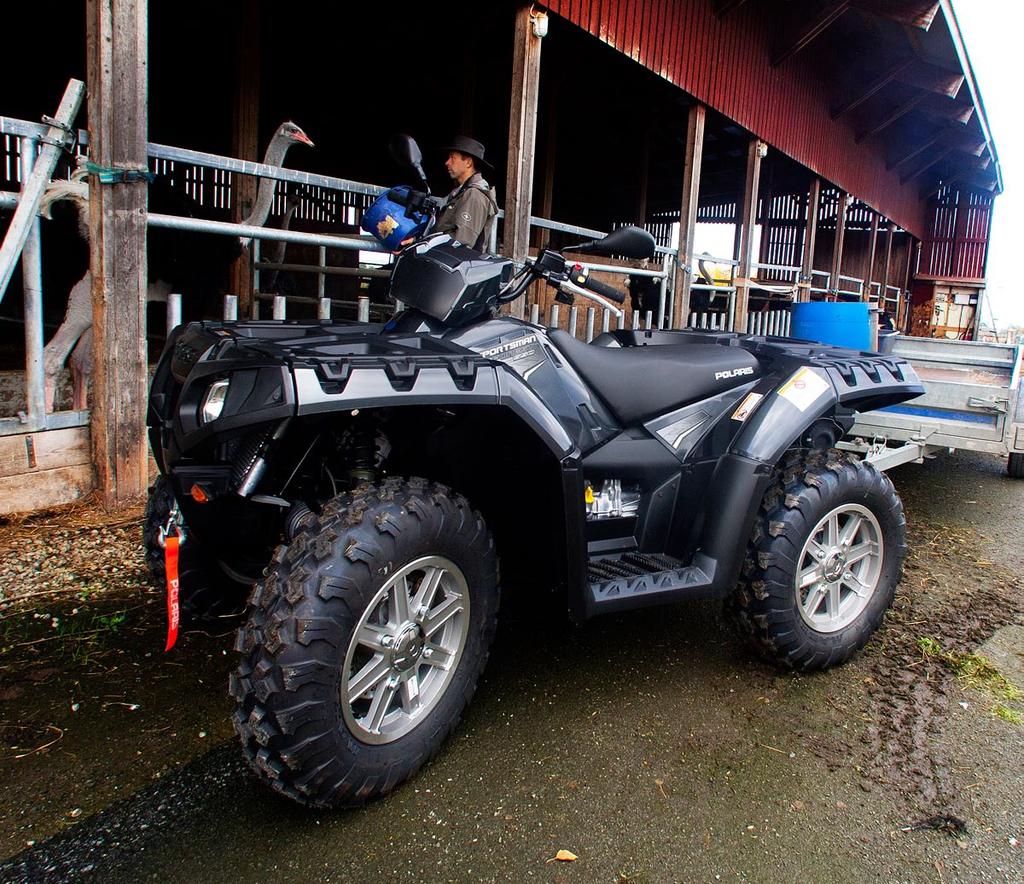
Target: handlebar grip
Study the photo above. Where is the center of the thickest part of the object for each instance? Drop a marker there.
(582, 278)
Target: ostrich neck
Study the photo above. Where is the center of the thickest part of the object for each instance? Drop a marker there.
(274, 156)
(277, 247)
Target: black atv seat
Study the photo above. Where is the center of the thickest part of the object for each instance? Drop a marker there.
(643, 382)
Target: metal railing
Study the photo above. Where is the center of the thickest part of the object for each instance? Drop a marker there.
(584, 322)
(34, 417)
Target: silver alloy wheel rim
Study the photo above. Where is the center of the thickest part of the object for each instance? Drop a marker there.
(405, 650)
(839, 568)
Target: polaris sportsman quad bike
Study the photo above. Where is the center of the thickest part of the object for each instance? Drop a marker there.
(368, 478)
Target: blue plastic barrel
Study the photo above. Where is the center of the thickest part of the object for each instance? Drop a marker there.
(841, 324)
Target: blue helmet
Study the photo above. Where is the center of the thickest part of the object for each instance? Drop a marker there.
(391, 222)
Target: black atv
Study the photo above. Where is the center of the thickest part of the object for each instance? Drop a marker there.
(367, 478)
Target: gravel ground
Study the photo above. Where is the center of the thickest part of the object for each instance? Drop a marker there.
(77, 554)
(653, 746)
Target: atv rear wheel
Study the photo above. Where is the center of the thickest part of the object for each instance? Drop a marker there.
(364, 643)
(207, 596)
(823, 561)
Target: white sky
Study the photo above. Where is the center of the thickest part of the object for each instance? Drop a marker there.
(993, 31)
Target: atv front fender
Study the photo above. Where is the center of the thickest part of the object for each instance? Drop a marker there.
(450, 382)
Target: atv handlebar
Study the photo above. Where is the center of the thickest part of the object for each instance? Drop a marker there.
(415, 199)
(550, 266)
(581, 276)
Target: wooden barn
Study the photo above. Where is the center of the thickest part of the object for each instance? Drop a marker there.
(839, 149)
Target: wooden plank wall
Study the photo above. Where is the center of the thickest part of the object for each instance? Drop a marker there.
(40, 470)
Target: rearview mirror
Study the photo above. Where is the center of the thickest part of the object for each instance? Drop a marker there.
(405, 151)
(630, 242)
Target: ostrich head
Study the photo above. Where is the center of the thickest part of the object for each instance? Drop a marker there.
(291, 132)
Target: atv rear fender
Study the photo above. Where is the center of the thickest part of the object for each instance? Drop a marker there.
(780, 421)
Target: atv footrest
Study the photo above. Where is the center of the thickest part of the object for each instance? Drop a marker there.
(634, 580)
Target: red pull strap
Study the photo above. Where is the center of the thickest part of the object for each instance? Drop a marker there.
(173, 608)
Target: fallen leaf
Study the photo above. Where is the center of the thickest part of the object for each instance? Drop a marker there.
(564, 856)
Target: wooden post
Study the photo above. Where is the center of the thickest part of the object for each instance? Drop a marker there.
(837, 252)
(748, 221)
(522, 131)
(688, 214)
(116, 66)
(870, 276)
(547, 195)
(641, 191)
(767, 195)
(245, 124)
(913, 248)
(810, 240)
(889, 233)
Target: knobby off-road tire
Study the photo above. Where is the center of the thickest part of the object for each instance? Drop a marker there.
(1015, 465)
(344, 623)
(823, 560)
(208, 598)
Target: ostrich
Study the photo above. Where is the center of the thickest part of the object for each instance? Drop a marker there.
(286, 135)
(276, 251)
(76, 329)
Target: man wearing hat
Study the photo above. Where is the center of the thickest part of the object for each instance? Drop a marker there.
(472, 204)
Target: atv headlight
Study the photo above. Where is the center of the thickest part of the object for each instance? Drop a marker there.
(213, 402)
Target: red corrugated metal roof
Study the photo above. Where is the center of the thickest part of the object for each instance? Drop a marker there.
(727, 63)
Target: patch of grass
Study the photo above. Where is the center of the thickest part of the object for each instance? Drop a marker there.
(1007, 714)
(110, 622)
(73, 635)
(980, 673)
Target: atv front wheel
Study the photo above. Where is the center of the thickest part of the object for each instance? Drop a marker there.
(823, 561)
(364, 643)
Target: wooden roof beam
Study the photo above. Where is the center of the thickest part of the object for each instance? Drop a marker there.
(973, 180)
(980, 181)
(870, 89)
(897, 113)
(951, 111)
(947, 135)
(928, 163)
(916, 151)
(933, 78)
(811, 31)
(913, 13)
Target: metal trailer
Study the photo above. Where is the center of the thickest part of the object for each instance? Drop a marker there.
(972, 400)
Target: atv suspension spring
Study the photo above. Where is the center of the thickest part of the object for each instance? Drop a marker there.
(248, 453)
(365, 449)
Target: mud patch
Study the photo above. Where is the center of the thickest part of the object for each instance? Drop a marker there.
(952, 596)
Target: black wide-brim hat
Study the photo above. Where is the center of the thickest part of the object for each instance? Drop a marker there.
(469, 146)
